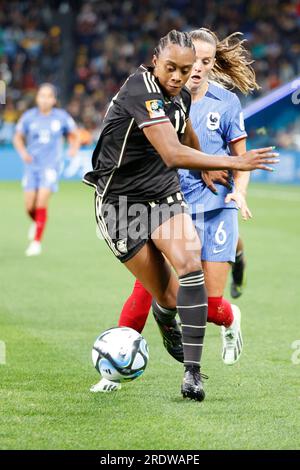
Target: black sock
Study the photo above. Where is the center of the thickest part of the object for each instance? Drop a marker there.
(165, 315)
(238, 268)
(192, 309)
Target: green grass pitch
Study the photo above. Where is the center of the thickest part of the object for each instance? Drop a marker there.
(52, 308)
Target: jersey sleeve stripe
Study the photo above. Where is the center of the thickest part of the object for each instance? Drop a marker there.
(150, 82)
(153, 121)
(155, 84)
(238, 138)
(146, 82)
(183, 105)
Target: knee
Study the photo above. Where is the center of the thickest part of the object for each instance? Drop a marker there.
(29, 207)
(188, 264)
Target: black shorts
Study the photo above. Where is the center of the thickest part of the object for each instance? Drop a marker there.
(126, 226)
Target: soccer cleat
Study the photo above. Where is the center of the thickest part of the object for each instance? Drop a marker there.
(172, 337)
(34, 249)
(238, 278)
(105, 386)
(192, 386)
(31, 231)
(232, 339)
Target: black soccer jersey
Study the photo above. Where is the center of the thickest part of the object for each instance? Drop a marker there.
(124, 161)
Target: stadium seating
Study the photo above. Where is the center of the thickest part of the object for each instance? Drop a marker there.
(110, 38)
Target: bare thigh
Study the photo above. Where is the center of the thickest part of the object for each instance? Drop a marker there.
(30, 200)
(178, 240)
(156, 275)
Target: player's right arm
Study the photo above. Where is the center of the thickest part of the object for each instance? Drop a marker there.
(164, 139)
(20, 146)
(145, 104)
(19, 140)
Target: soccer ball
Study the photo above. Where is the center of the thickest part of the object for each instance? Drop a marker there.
(120, 354)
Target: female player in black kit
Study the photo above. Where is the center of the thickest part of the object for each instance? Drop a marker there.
(145, 136)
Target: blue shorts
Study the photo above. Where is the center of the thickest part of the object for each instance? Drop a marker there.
(218, 231)
(34, 179)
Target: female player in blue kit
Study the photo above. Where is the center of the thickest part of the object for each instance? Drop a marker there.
(38, 140)
(217, 119)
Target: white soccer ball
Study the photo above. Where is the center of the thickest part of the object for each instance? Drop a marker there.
(120, 354)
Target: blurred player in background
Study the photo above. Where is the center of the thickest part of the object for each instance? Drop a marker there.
(38, 140)
(146, 134)
(217, 119)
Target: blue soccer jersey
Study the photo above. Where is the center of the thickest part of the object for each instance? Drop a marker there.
(217, 119)
(43, 134)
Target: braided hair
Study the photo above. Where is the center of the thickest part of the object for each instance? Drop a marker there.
(174, 37)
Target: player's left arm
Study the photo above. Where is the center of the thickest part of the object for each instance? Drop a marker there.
(241, 181)
(74, 142)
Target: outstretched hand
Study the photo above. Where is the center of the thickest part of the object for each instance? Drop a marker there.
(257, 159)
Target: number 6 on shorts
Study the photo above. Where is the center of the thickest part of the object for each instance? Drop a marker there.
(220, 235)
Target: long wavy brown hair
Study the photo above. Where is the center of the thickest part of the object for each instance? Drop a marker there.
(232, 67)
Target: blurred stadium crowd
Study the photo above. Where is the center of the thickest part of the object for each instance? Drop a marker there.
(88, 48)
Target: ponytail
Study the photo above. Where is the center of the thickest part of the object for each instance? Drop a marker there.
(232, 67)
